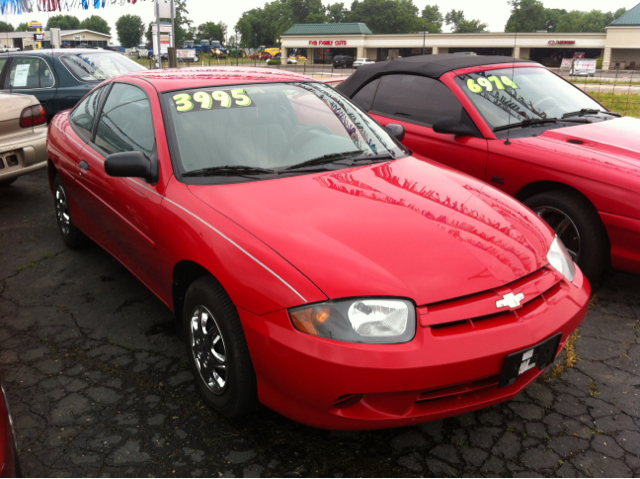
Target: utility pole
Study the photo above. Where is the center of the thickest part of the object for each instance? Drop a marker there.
(236, 30)
(424, 37)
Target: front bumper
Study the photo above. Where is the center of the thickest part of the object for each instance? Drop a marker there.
(440, 373)
(23, 155)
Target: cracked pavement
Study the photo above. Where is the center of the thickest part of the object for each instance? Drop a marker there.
(99, 385)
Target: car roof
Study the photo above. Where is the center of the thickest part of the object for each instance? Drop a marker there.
(58, 51)
(432, 66)
(193, 77)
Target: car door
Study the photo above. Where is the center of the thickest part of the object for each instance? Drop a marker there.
(416, 103)
(125, 210)
(32, 75)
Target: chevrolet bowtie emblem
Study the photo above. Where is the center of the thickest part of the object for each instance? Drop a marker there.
(510, 300)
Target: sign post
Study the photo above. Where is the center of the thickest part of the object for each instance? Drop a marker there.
(163, 32)
(38, 36)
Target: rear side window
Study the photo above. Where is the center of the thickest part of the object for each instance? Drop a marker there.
(415, 99)
(126, 123)
(29, 73)
(3, 62)
(83, 115)
(364, 98)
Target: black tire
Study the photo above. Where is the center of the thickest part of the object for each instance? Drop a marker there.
(71, 235)
(238, 395)
(5, 183)
(593, 252)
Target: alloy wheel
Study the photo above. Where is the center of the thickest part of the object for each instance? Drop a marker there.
(564, 228)
(62, 211)
(208, 349)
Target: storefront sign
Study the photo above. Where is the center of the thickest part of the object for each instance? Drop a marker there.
(562, 42)
(328, 43)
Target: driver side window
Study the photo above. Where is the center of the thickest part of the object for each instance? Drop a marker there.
(126, 123)
(83, 115)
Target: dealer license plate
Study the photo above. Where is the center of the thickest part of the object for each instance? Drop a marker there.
(541, 355)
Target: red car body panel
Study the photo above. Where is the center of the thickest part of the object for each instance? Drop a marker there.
(9, 466)
(447, 241)
(600, 160)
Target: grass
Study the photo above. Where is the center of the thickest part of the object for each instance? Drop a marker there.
(627, 104)
(603, 82)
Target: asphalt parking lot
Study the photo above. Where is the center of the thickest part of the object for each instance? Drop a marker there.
(99, 385)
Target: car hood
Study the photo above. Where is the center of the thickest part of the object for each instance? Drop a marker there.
(402, 228)
(612, 147)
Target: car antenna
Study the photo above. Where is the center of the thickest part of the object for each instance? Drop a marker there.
(513, 71)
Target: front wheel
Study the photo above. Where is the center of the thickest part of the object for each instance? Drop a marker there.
(218, 350)
(577, 223)
(72, 236)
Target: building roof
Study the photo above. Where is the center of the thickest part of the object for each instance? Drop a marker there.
(632, 17)
(73, 32)
(432, 66)
(328, 29)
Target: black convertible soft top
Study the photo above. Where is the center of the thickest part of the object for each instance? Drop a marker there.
(433, 66)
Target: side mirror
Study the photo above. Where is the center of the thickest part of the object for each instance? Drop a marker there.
(452, 126)
(395, 130)
(129, 164)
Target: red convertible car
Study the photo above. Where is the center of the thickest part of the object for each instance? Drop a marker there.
(527, 131)
(314, 266)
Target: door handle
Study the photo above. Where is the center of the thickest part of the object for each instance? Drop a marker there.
(84, 166)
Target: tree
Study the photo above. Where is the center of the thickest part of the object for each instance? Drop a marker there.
(210, 31)
(130, 29)
(462, 25)
(526, 16)
(97, 24)
(336, 13)
(432, 18)
(553, 16)
(63, 22)
(386, 16)
(6, 27)
(24, 27)
(182, 23)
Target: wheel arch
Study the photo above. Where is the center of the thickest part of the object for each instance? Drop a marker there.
(185, 272)
(537, 187)
(52, 172)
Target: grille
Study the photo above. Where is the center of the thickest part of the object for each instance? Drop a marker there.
(479, 311)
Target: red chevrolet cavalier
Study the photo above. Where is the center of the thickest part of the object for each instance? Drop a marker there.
(312, 263)
(528, 132)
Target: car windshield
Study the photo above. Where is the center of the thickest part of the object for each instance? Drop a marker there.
(99, 66)
(512, 95)
(273, 126)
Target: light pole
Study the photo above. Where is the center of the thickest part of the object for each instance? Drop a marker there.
(236, 30)
(424, 37)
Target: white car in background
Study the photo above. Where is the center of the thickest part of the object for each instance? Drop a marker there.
(361, 61)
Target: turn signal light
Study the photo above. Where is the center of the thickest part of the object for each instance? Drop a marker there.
(33, 116)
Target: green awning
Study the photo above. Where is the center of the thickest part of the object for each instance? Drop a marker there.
(328, 29)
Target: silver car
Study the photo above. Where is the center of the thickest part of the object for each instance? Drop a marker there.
(23, 136)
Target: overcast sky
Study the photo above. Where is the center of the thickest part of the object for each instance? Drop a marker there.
(493, 12)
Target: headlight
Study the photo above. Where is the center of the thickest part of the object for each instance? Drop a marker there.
(560, 259)
(358, 320)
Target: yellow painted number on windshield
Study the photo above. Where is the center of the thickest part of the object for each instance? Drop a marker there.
(497, 81)
(471, 85)
(223, 97)
(485, 83)
(205, 100)
(183, 102)
(240, 97)
(508, 81)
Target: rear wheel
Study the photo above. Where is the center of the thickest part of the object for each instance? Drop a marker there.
(72, 236)
(218, 350)
(5, 183)
(577, 223)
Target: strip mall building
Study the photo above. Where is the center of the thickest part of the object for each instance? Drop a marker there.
(618, 46)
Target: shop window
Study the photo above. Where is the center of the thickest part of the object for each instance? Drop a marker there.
(415, 99)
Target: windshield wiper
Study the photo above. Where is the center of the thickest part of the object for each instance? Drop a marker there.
(230, 170)
(537, 121)
(324, 159)
(590, 111)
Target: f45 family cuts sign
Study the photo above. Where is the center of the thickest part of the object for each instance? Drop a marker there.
(328, 43)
